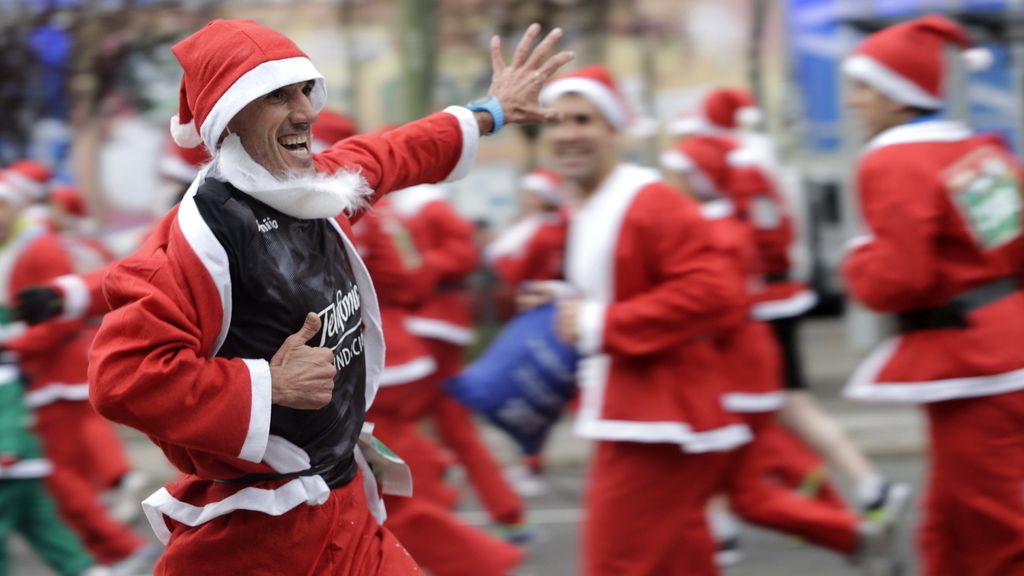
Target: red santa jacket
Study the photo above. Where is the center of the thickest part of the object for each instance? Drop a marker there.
(445, 240)
(943, 208)
(54, 355)
(749, 351)
(760, 204)
(387, 249)
(153, 365)
(654, 290)
(533, 249)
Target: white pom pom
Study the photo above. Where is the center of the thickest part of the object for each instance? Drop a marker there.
(185, 135)
(978, 58)
(749, 117)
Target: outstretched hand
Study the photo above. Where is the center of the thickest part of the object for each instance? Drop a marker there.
(517, 84)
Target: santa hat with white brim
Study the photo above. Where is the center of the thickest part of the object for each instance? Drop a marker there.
(703, 161)
(596, 84)
(544, 183)
(228, 64)
(29, 178)
(906, 62)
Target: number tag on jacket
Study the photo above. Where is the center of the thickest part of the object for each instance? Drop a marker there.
(986, 191)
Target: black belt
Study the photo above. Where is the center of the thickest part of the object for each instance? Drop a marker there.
(776, 278)
(953, 314)
(337, 472)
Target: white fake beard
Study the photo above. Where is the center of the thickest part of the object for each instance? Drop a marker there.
(306, 196)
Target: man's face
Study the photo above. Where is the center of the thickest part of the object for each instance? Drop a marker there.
(275, 130)
(877, 112)
(584, 144)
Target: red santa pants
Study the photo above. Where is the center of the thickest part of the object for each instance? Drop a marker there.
(974, 509)
(792, 463)
(758, 499)
(458, 431)
(435, 537)
(645, 510)
(339, 537)
(87, 457)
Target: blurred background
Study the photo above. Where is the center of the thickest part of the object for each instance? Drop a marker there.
(89, 86)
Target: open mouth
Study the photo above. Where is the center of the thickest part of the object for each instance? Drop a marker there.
(297, 145)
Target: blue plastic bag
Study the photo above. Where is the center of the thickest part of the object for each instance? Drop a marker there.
(523, 380)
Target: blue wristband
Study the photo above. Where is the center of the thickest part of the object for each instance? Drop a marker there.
(492, 106)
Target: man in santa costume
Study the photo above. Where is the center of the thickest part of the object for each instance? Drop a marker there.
(424, 522)
(943, 254)
(87, 455)
(646, 289)
(245, 334)
(732, 116)
(533, 248)
(444, 321)
(751, 358)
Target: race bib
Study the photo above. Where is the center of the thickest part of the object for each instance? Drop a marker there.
(986, 192)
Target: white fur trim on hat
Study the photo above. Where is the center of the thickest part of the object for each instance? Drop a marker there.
(701, 184)
(978, 58)
(888, 82)
(185, 135)
(27, 187)
(542, 186)
(259, 81)
(749, 117)
(606, 101)
(11, 194)
(676, 161)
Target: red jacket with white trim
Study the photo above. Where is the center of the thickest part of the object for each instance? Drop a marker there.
(943, 210)
(394, 264)
(542, 254)
(654, 291)
(749, 351)
(54, 355)
(445, 241)
(154, 363)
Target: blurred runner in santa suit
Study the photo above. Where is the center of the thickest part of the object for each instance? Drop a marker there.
(245, 335)
(749, 355)
(731, 115)
(645, 289)
(943, 254)
(444, 322)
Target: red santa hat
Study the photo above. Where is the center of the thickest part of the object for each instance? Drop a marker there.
(704, 161)
(596, 84)
(331, 127)
(722, 110)
(545, 183)
(70, 200)
(905, 62)
(228, 64)
(27, 181)
(182, 164)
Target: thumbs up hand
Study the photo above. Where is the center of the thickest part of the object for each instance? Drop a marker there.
(302, 376)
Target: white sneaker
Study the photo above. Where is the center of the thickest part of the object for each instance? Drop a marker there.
(729, 553)
(525, 482)
(124, 503)
(878, 553)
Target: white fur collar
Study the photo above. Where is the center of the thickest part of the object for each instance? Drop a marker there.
(918, 132)
(305, 197)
